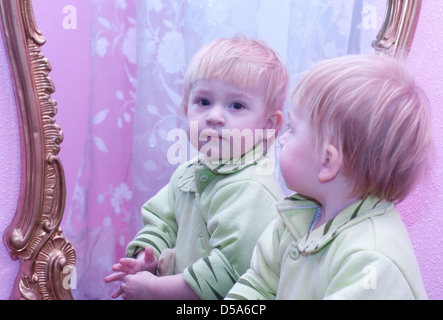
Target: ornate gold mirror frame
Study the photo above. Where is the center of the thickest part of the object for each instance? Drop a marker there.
(398, 30)
(34, 236)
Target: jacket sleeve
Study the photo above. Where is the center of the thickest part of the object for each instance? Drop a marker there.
(160, 226)
(260, 282)
(237, 215)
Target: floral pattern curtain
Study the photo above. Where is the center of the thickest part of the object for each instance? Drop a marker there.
(140, 52)
(97, 221)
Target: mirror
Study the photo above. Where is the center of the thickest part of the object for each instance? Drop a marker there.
(34, 237)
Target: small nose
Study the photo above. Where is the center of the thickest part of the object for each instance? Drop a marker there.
(215, 116)
(283, 138)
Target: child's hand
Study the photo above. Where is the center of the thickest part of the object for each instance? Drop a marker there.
(150, 261)
(145, 261)
(146, 286)
(140, 286)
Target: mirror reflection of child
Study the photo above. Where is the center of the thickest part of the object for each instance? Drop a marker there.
(199, 230)
(359, 138)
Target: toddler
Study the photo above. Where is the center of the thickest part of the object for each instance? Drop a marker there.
(200, 230)
(359, 138)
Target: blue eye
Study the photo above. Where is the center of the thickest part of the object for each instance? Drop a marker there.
(237, 106)
(204, 102)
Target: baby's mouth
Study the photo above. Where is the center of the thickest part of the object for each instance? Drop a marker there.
(213, 137)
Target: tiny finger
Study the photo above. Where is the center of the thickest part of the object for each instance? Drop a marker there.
(119, 276)
(117, 293)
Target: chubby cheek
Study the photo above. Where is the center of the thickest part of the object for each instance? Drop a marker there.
(285, 166)
(193, 134)
(205, 140)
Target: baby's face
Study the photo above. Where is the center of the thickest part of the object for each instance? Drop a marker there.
(229, 120)
(298, 160)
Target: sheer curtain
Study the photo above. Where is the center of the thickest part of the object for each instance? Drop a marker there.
(97, 223)
(141, 50)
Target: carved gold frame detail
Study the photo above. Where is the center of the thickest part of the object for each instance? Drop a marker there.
(398, 30)
(34, 237)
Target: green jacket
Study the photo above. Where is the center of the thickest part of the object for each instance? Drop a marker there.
(363, 253)
(212, 215)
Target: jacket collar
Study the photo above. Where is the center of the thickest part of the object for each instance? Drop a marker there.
(199, 172)
(298, 211)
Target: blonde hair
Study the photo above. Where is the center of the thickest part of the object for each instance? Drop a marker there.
(370, 108)
(244, 63)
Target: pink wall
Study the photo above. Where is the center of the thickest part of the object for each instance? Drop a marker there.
(68, 52)
(9, 171)
(423, 209)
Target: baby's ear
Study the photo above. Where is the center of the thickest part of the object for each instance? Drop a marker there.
(272, 126)
(330, 164)
(275, 120)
